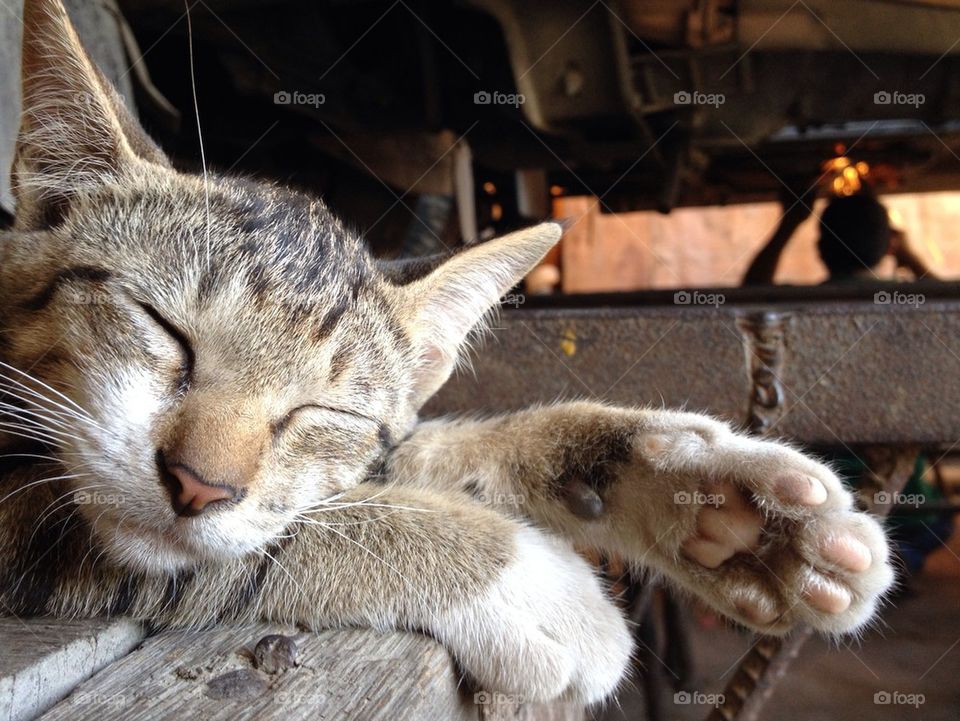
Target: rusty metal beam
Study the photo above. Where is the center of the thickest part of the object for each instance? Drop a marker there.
(821, 372)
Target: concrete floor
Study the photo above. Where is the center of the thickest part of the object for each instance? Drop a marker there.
(912, 659)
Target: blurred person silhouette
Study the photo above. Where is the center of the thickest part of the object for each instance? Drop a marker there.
(855, 237)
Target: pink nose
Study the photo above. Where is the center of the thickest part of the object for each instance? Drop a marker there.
(190, 495)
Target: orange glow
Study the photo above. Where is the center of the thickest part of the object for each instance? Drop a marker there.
(847, 175)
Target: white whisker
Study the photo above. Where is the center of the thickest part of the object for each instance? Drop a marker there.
(49, 509)
(18, 411)
(54, 459)
(288, 574)
(31, 424)
(426, 603)
(59, 410)
(16, 430)
(342, 506)
(196, 110)
(25, 486)
(48, 387)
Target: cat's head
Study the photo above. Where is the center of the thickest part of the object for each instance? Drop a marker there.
(207, 359)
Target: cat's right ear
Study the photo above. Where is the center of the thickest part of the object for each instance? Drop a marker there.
(76, 134)
(442, 308)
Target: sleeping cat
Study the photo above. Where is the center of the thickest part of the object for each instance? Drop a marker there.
(209, 414)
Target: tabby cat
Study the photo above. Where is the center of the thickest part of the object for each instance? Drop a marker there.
(209, 410)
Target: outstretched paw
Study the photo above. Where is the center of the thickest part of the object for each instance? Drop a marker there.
(771, 538)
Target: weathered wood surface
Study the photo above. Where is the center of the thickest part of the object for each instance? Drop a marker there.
(358, 675)
(532, 712)
(42, 660)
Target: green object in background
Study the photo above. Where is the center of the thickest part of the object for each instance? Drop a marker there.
(851, 469)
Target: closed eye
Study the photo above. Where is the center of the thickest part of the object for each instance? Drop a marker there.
(335, 409)
(280, 425)
(189, 357)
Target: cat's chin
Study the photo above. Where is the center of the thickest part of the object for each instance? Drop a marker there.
(159, 551)
(151, 556)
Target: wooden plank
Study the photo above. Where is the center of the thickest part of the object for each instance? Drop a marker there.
(356, 674)
(211, 675)
(532, 712)
(44, 659)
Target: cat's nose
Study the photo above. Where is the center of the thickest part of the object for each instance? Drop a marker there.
(190, 493)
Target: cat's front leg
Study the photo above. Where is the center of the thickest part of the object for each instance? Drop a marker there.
(759, 531)
(520, 611)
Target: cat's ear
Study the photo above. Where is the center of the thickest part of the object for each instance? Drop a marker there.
(443, 307)
(76, 134)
